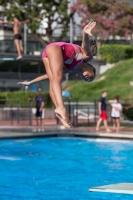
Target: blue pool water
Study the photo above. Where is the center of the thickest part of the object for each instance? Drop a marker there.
(63, 168)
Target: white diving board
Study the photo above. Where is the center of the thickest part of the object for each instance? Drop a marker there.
(7, 59)
(123, 188)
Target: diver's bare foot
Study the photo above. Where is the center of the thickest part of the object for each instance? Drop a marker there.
(19, 57)
(62, 115)
(62, 111)
(66, 124)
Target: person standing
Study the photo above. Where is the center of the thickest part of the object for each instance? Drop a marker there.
(60, 58)
(102, 112)
(17, 24)
(115, 113)
(39, 107)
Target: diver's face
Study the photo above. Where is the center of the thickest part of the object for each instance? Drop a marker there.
(15, 19)
(87, 75)
(86, 72)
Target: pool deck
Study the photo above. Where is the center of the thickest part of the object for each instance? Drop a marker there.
(8, 132)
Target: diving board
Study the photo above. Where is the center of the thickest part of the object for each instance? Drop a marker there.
(123, 188)
(13, 57)
(3, 59)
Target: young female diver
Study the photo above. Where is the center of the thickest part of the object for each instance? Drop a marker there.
(61, 57)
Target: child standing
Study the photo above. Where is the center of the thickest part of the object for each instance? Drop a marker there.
(115, 113)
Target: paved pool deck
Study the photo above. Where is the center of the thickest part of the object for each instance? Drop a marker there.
(8, 132)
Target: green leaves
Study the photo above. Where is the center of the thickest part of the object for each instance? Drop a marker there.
(115, 81)
(113, 17)
(21, 97)
(128, 113)
(46, 16)
(113, 53)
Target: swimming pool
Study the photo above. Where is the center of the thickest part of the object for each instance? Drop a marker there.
(63, 168)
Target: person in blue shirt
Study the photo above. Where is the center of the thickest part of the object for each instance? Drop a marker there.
(102, 112)
(39, 107)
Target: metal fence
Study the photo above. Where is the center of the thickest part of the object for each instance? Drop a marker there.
(81, 112)
(14, 113)
(85, 111)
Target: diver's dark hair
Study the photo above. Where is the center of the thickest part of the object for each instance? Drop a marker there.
(17, 17)
(94, 71)
(93, 49)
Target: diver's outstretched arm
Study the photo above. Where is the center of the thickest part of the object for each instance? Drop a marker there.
(40, 78)
(25, 21)
(2, 22)
(85, 40)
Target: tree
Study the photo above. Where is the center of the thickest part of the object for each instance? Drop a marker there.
(112, 17)
(1, 2)
(45, 16)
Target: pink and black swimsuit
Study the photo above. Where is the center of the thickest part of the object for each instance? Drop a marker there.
(72, 54)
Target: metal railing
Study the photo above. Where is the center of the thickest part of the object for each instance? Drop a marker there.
(85, 111)
(80, 112)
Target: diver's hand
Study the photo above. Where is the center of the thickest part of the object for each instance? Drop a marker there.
(24, 83)
(1, 22)
(88, 28)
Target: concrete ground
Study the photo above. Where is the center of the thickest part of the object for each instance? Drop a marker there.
(51, 129)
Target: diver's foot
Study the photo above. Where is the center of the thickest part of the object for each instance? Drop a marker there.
(66, 124)
(62, 115)
(19, 57)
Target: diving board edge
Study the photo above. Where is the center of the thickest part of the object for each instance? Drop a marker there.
(110, 191)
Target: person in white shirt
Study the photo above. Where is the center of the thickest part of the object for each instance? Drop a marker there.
(115, 113)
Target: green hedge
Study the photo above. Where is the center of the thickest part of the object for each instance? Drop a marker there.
(128, 113)
(21, 98)
(113, 53)
(2, 100)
